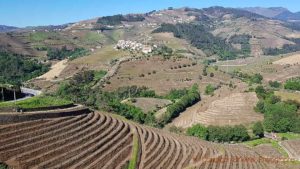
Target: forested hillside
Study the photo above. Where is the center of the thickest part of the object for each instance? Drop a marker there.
(15, 69)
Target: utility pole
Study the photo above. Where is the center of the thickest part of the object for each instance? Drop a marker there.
(2, 92)
(15, 99)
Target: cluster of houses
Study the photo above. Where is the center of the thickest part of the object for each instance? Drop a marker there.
(133, 46)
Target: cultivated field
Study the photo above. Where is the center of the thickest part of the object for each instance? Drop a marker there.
(226, 107)
(263, 65)
(98, 60)
(98, 140)
(163, 75)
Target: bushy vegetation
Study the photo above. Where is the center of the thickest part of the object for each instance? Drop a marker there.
(219, 134)
(3, 166)
(209, 89)
(63, 53)
(274, 84)
(117, 19)
(15, 69)
(36, 102)
(279, 116)
(190, 98)
(175, 94)
(201, 38)
(255, 78)
(292, 84)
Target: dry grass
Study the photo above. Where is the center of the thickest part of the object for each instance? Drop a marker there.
(98, 60)
(158, 75)
(290, 60)
(55, 71)
(295, 96)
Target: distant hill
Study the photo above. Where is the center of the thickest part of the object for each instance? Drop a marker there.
(4, 28)
(289, 16)
(267, 12)
(275, 13)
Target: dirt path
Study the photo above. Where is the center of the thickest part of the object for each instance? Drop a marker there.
(55, 70)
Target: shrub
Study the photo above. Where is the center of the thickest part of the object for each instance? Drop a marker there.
(274, 84)
(209, 89)
(293, 84)
(258, 129)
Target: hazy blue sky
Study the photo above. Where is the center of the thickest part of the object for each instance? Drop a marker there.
(45, 12)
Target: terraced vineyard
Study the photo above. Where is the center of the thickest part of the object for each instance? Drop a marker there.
(234, 109)
(293, 147)
(98, 140)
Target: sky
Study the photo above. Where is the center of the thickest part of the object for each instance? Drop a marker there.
(23, 13)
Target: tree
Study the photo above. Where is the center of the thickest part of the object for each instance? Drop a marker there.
(260, 91)
(258, 129)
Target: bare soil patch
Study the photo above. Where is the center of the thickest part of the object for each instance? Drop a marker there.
(266, 150)
(55, 70)
(148, 104)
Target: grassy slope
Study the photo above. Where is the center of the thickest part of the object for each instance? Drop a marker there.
(135, 151)
(274, 144)
(36, 102)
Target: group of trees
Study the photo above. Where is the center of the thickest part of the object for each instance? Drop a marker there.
(15, 69)
(79, 90)
(293, 84)
(243, 40)
(255, 78)
(237, 133)
(279, 116)
(117, 19)
(274, 84)
(175, 94)
(201, 38)
(164, 51)
(190, 98)
(63, 53)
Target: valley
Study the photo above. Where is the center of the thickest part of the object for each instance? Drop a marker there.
(174, 88)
